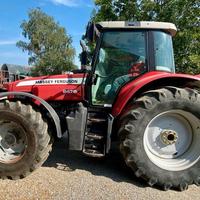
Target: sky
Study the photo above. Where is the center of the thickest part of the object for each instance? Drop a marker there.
(73, 15)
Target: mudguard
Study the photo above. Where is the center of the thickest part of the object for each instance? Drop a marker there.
(52, 112)
(129, 90)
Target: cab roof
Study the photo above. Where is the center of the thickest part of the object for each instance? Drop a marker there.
(169, 27)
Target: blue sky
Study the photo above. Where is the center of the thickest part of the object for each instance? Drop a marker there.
(71, 14)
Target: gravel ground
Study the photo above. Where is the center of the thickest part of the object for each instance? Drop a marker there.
(70, 175)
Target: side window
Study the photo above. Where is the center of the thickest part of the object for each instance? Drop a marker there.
(122, 57)
(163, 49)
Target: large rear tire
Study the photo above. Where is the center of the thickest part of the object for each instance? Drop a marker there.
(159, 137)
(24, 141)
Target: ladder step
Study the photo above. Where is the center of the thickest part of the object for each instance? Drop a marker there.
(93, 153)
(97, 120)
(94, 136)
(92, 146)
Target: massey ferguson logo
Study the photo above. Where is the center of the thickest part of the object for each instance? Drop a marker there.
(58, 81)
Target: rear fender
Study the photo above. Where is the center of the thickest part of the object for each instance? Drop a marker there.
(48, 107)
(151, 80)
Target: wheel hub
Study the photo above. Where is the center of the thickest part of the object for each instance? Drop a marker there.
(10, 140)
(168, 137)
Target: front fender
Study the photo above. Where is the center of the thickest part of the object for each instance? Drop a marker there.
(49, 108)
(132, 88)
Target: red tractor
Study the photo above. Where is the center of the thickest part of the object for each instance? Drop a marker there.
(131, 94)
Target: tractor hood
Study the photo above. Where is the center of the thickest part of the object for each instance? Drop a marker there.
(52, 88)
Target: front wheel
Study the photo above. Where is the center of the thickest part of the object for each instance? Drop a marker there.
(24, 140)
(160, 137)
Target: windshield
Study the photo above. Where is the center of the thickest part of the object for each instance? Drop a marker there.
(122, 57)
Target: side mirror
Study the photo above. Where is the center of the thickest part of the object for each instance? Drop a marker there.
(84, 56)
(91, 32)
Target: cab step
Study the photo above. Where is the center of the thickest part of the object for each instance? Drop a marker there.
(97, 135)
(94, 136)
(97, 120)
(93, 153)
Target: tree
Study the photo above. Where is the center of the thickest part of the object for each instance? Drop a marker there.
(49, 47)
(183, 13)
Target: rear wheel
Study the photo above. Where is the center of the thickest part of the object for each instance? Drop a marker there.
(160, 137)
(24, 141)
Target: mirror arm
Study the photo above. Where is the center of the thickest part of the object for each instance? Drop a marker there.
(84, 48)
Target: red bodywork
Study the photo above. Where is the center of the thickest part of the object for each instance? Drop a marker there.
(71, 87)
(67, 87)
(129, 90)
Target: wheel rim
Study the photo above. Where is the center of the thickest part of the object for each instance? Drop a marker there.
(13, 142)
(171, 140)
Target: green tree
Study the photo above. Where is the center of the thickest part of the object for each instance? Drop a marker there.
(183, 13)
(49, 47)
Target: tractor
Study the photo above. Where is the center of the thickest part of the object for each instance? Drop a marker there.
(129, 94)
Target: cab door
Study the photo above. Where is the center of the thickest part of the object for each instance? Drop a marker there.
(121, 58)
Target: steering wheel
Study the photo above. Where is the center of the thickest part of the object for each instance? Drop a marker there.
(106, 73)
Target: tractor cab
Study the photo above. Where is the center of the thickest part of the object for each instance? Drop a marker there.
(125, 51)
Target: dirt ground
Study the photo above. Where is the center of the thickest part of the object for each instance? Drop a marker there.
(70, 175)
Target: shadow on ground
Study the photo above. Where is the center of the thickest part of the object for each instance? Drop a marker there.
(112, 166)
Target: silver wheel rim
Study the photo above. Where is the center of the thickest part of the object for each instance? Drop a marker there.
(13, 142)
(171, 140)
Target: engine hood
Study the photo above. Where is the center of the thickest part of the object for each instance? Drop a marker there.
(51, 88)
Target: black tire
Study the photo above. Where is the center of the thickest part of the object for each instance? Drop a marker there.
(35, 143)
(134, 121)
